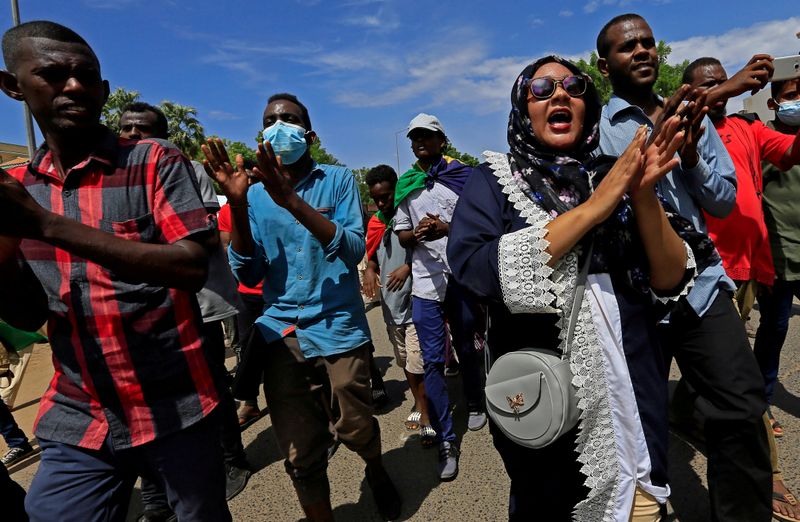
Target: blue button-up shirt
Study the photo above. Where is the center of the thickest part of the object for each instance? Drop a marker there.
(309, 288)
(708, 186)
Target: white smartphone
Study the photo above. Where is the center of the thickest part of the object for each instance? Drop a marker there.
(786, 68)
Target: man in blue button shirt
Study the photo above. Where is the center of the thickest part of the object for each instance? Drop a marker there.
(704, 332)
(301, 231)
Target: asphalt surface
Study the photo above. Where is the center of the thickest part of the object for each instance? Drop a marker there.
(481, 490)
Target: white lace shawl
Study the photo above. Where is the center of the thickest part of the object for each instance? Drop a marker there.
(530, 286)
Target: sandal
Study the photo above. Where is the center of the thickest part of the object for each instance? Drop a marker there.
(247, 415)
(785, 498)
(412, 421)
(777, 428)
(379, 398)
(427, 436)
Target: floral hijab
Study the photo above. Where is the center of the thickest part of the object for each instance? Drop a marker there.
(559, 181)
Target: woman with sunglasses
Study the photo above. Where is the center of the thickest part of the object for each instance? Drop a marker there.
(521, 232)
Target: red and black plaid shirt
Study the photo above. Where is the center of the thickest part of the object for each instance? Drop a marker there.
(128, 356)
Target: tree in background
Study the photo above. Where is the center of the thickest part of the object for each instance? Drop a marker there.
(185, 130)
(112, 110)
(669, 76)
(363, 189)
(463, 157)
(234, 148)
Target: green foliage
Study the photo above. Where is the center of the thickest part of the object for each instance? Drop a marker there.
(669, 76)
(601, 83)
(185, 130)
(463, 157)
(237, 147)
(363, 190)
(320, 155)
(112, 111)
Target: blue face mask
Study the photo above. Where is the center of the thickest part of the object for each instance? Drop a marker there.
(287, 139)
(789, 113)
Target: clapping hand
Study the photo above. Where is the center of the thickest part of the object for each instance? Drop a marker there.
(232, 180)
(659, 154)
(275, 176)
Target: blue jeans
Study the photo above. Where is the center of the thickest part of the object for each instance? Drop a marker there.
(11, 432)
(775, 307)
(428, 317)
(78, 484)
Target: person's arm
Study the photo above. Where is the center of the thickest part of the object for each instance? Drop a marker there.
(753, 77)
(665, 250)
(224, 240)
(782, 150)
(404, 228)
(348, 242)
(24, 304)
(371, 281)
(712, 182)
(181, 264)
(568, 228)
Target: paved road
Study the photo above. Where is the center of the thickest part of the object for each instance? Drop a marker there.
(481, 490)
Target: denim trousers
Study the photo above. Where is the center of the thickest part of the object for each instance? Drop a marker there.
(775, 307)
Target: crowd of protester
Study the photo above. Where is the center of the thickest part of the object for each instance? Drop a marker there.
(653, 218)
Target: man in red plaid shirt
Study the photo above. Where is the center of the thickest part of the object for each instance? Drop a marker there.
(107, 240)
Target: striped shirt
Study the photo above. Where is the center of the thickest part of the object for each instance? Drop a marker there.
(128, 357)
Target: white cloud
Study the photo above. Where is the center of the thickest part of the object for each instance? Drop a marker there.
(223, 115)
(383, 20)
(735, 47)
(566, 13)
(536, 22)
(455, 69)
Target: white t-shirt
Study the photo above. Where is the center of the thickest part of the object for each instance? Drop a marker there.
(429, 267)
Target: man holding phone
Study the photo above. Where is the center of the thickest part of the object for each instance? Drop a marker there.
(741, 237)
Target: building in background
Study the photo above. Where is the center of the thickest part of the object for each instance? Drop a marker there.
(12, 155)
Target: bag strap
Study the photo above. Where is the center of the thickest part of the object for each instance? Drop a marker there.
(580, 287)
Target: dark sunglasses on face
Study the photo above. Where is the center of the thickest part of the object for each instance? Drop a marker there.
(543, 88)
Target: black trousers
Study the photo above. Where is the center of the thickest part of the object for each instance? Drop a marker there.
(715, 358)
(154, 494)
(546, 483)
(250, 372)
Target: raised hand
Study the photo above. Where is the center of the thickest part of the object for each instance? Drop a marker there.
(693, 114)
(275, 176)
(671, 106)
(616, 183)
(659, 155)
(232, 180)
(753, 77)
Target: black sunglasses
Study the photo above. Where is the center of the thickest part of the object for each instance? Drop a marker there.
(543, 88)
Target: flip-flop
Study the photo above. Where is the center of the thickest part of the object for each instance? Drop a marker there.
(777, 427)
(245, 421)
(427, 436)
(412, 421)
(786, 498)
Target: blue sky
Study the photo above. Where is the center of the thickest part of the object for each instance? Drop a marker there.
(366, 67)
